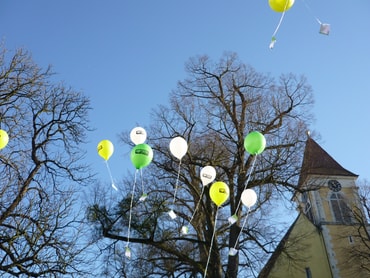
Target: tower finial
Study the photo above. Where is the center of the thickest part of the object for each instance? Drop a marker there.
(308, 133)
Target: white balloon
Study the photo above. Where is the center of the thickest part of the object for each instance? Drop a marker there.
(249, 197)
(178, 147)
(207, 175)
(138, 135)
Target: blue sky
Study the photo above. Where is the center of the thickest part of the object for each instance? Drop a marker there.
(128, 55)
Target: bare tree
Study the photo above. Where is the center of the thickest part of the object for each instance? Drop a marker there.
(360, 216)
(214, 108)
(40, 171)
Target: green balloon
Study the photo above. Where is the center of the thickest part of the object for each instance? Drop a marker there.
(254, 143)
(141, 155)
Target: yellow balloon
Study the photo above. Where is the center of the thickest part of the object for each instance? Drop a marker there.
(281, 5)
(105, 149)
(4, 139)
(219, 192)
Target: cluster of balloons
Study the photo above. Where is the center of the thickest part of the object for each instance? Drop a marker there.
(142, 155)
(4, 139)
(254, 144)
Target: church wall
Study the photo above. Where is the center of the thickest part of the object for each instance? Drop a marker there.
(305, 253)
(345, 241)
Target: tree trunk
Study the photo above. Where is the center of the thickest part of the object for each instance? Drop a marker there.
(233, 261)
(215, 268)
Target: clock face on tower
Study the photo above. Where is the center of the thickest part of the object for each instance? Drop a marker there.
(334, 185)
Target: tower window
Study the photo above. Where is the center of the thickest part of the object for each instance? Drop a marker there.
(307, 208)
(308, 211)
(340, 209)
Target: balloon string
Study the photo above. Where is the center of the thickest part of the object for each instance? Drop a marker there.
(210, 248)
(280, 21)
(310, 11)
(177, 182)
(130, 215)
(110, 175)
(245, 221)
(200, 199)
(248, 179)
(273, 39)
(142, 181)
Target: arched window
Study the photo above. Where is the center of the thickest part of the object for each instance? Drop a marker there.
(342, 213)
(307, 208)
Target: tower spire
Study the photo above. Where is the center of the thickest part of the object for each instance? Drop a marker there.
(316, 161)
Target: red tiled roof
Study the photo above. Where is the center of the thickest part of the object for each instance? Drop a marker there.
(316, 161)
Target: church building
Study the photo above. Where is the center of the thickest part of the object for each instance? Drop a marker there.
(330, 236)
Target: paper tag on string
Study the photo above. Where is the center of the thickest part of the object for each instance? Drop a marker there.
(324, 28)
(272, 43)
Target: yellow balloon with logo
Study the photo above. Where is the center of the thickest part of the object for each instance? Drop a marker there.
(281, 5)
(105, 149)
(4, 139)
(219, 192)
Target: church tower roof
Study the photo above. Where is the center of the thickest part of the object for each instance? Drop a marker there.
(316, 161)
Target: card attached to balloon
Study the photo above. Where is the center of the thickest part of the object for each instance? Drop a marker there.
(128, 253)
(184, 230)
(172, 214)
(143, 197)
(324, 28)
(233, 251)
(232, 219)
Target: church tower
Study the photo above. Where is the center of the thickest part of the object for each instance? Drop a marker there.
(330, 208)
(331, 197)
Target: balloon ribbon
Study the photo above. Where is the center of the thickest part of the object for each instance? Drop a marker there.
(128, 253)
(177, 183)
(273, 39)
(110, 175)
(234, 217)
(210, 248)
(233, 250)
